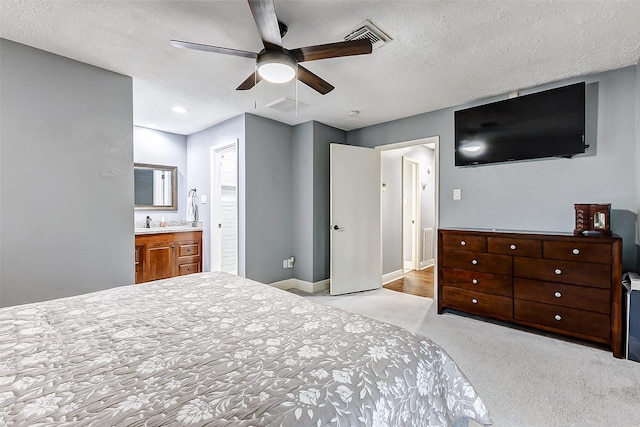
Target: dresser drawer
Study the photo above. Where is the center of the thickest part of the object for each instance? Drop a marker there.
(461, 242)
(193, 267)
(488, 263)
(188, 249)
(478, 302)
(516, 247)
(577, 273)
(580, 297)
(577, 251)
(564, 318)
(481, 282)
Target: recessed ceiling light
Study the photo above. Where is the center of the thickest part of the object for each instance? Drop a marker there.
(179, 109)
(353, 113)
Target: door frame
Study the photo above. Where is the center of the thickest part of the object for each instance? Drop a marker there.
(435, 142)
(215, 196)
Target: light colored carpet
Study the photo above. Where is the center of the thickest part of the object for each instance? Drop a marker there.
(525, 379)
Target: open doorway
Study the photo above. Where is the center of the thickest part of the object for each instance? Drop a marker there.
(409, 213)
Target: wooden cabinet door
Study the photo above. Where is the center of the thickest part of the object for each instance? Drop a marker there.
(139, 257)
(160, 261)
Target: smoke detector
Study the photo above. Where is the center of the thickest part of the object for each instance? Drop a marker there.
(367, 30)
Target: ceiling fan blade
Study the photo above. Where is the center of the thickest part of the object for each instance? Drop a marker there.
(332, 50)
(264, 13)
(313, 81)
(214, 49)
(253, 79)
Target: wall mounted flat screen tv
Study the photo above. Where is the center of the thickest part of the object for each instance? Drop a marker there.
(543, 124)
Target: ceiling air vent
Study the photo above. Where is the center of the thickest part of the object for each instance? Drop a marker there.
(367, 30)
(286, 105)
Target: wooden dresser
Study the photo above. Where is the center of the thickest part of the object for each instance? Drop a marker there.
(554, 282)
(164, 255)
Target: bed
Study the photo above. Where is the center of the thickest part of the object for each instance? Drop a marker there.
(217, 349)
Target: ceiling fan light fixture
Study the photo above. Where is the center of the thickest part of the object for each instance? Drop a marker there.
(276, 67)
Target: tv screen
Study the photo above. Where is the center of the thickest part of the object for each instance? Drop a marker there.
(544, 124)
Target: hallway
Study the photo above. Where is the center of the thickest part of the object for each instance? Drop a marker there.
(416, 282)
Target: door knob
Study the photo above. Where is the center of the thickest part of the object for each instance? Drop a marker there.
(338, 228)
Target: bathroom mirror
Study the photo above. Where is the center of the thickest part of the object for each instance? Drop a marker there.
(155, 187)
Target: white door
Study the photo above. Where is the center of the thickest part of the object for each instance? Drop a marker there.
(224, 209)
(356, 256)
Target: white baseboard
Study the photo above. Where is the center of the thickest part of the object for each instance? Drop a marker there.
(302, 285)
(394, 275)
(426, 264)
(285, 284)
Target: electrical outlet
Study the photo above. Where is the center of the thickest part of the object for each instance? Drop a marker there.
(457, 194)
(290, 262)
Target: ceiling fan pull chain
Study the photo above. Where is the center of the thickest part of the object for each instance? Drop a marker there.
(255, 82)
(296, 91)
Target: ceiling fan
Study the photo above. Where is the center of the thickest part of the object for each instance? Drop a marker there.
(276, 64)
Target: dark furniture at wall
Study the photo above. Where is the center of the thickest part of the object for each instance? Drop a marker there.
(553, 282)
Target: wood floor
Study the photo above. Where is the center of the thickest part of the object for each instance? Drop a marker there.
(417, 282)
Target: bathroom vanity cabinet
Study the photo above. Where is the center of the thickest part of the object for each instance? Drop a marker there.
(163, 255)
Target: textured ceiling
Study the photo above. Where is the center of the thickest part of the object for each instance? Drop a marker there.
(443, 53)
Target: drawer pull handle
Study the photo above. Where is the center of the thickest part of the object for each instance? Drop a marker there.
(512, 247)
(474, 281)
(558, 317)
(576, 251)
(189, 250)
(557, 294)
(462, 243)
(188, 268)
(558, 271)
(475, 301)
(474, 261)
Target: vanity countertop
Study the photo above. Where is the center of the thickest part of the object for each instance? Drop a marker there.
(170, 229)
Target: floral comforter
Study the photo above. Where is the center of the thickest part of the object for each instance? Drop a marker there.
(216, 349)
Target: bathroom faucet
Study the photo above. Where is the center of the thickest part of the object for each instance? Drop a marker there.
(148, 221)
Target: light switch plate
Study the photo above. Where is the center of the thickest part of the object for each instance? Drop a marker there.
(203, 199)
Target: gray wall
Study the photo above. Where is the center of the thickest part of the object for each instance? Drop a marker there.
(199, 176)
(283, 194)
(323, 136)
(311, 198)
(303, 192)
(67, 177)
(167, 149)
(538, 195)
(268, 199)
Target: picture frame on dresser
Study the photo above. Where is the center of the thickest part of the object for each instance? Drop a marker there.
(553, 282)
